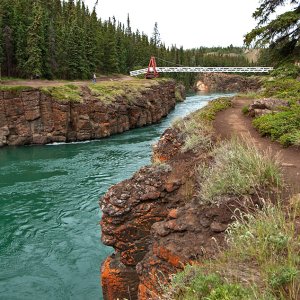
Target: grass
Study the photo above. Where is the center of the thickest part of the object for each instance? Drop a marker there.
(14, 88)
(261, 261)
(238, 169)
(68, 92)
(197, 130)
(108, 92)
(283, 125)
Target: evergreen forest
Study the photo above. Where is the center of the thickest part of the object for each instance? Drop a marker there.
(57, 39)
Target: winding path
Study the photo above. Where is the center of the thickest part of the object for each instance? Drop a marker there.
(232, 122)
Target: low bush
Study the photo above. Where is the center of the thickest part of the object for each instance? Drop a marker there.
(283, 126)
(287, 89)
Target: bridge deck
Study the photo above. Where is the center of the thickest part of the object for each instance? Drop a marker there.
(205, 70)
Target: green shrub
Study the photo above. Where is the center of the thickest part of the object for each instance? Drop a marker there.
(281, 276)
(288, 89)
(245, 110)
(193, 283)
(283, 126)
(286, 71)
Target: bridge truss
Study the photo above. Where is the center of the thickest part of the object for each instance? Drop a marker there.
(153, 71)
(205, 70)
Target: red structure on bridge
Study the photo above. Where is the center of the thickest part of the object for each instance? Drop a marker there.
(152, 72)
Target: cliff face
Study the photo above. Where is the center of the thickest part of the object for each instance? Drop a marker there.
(220, 82)
(32, 117)
(156, 224)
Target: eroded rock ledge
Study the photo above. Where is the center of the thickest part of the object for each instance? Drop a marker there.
(156, 224)
(32, 117)
(220, 82)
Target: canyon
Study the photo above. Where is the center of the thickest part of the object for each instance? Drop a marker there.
(32, 116)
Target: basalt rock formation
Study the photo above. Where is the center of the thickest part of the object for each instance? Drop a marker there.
(33, 117)
(156, 224)
(220, 82)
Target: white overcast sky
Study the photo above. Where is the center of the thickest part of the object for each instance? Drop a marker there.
(187, 23)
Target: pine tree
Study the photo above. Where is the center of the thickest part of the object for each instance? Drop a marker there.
(33, 65)
(281, 34)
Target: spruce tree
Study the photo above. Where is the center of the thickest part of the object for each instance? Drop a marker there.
(281, 34)
(33, 65)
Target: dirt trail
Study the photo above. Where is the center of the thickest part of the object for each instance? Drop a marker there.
(232, 122)
(36, 83)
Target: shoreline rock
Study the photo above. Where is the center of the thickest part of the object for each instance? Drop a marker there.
(32, 117)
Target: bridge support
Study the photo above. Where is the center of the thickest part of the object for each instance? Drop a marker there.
(152, 71)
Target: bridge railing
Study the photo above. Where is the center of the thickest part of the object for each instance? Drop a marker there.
(205, 70)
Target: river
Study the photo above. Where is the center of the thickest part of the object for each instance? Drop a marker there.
(50, 244)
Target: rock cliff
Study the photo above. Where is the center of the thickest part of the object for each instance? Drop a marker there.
(34, 117)
(156, 224)
(221, 82)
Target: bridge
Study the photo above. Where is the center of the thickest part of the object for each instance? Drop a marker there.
(153, 71)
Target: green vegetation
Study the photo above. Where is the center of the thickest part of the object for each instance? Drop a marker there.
(284, 124)
(109, 91)
(67, 92)
(286, 89)
(238, 169)
(197, 129)
(261, 261)
(288, 70)
(281, 33)
(14, 88)
(63, 39)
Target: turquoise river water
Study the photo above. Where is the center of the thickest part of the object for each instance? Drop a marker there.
(50, 244)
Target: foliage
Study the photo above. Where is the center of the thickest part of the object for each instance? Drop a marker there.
(14, 88)
(260, 262)
(283, 126)
(238, 169)
(281, 33)
(287, 89)
(286, 71)
(67, 92)
(63, 39)
(245, 110)
(131, 90)
(193, 283)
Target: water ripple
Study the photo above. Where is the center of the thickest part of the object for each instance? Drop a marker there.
(49, 215)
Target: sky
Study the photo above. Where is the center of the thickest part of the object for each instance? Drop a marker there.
(187, 23)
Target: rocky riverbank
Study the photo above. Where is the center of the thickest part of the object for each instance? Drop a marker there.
(210, 82)
(38, 116)
(154, 220)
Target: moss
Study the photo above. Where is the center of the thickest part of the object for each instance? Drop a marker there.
(110, 91)
(68, 92)
(14, 88)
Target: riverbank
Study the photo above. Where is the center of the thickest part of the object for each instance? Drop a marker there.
(152, 217)
(71, 113)
(51, 246)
